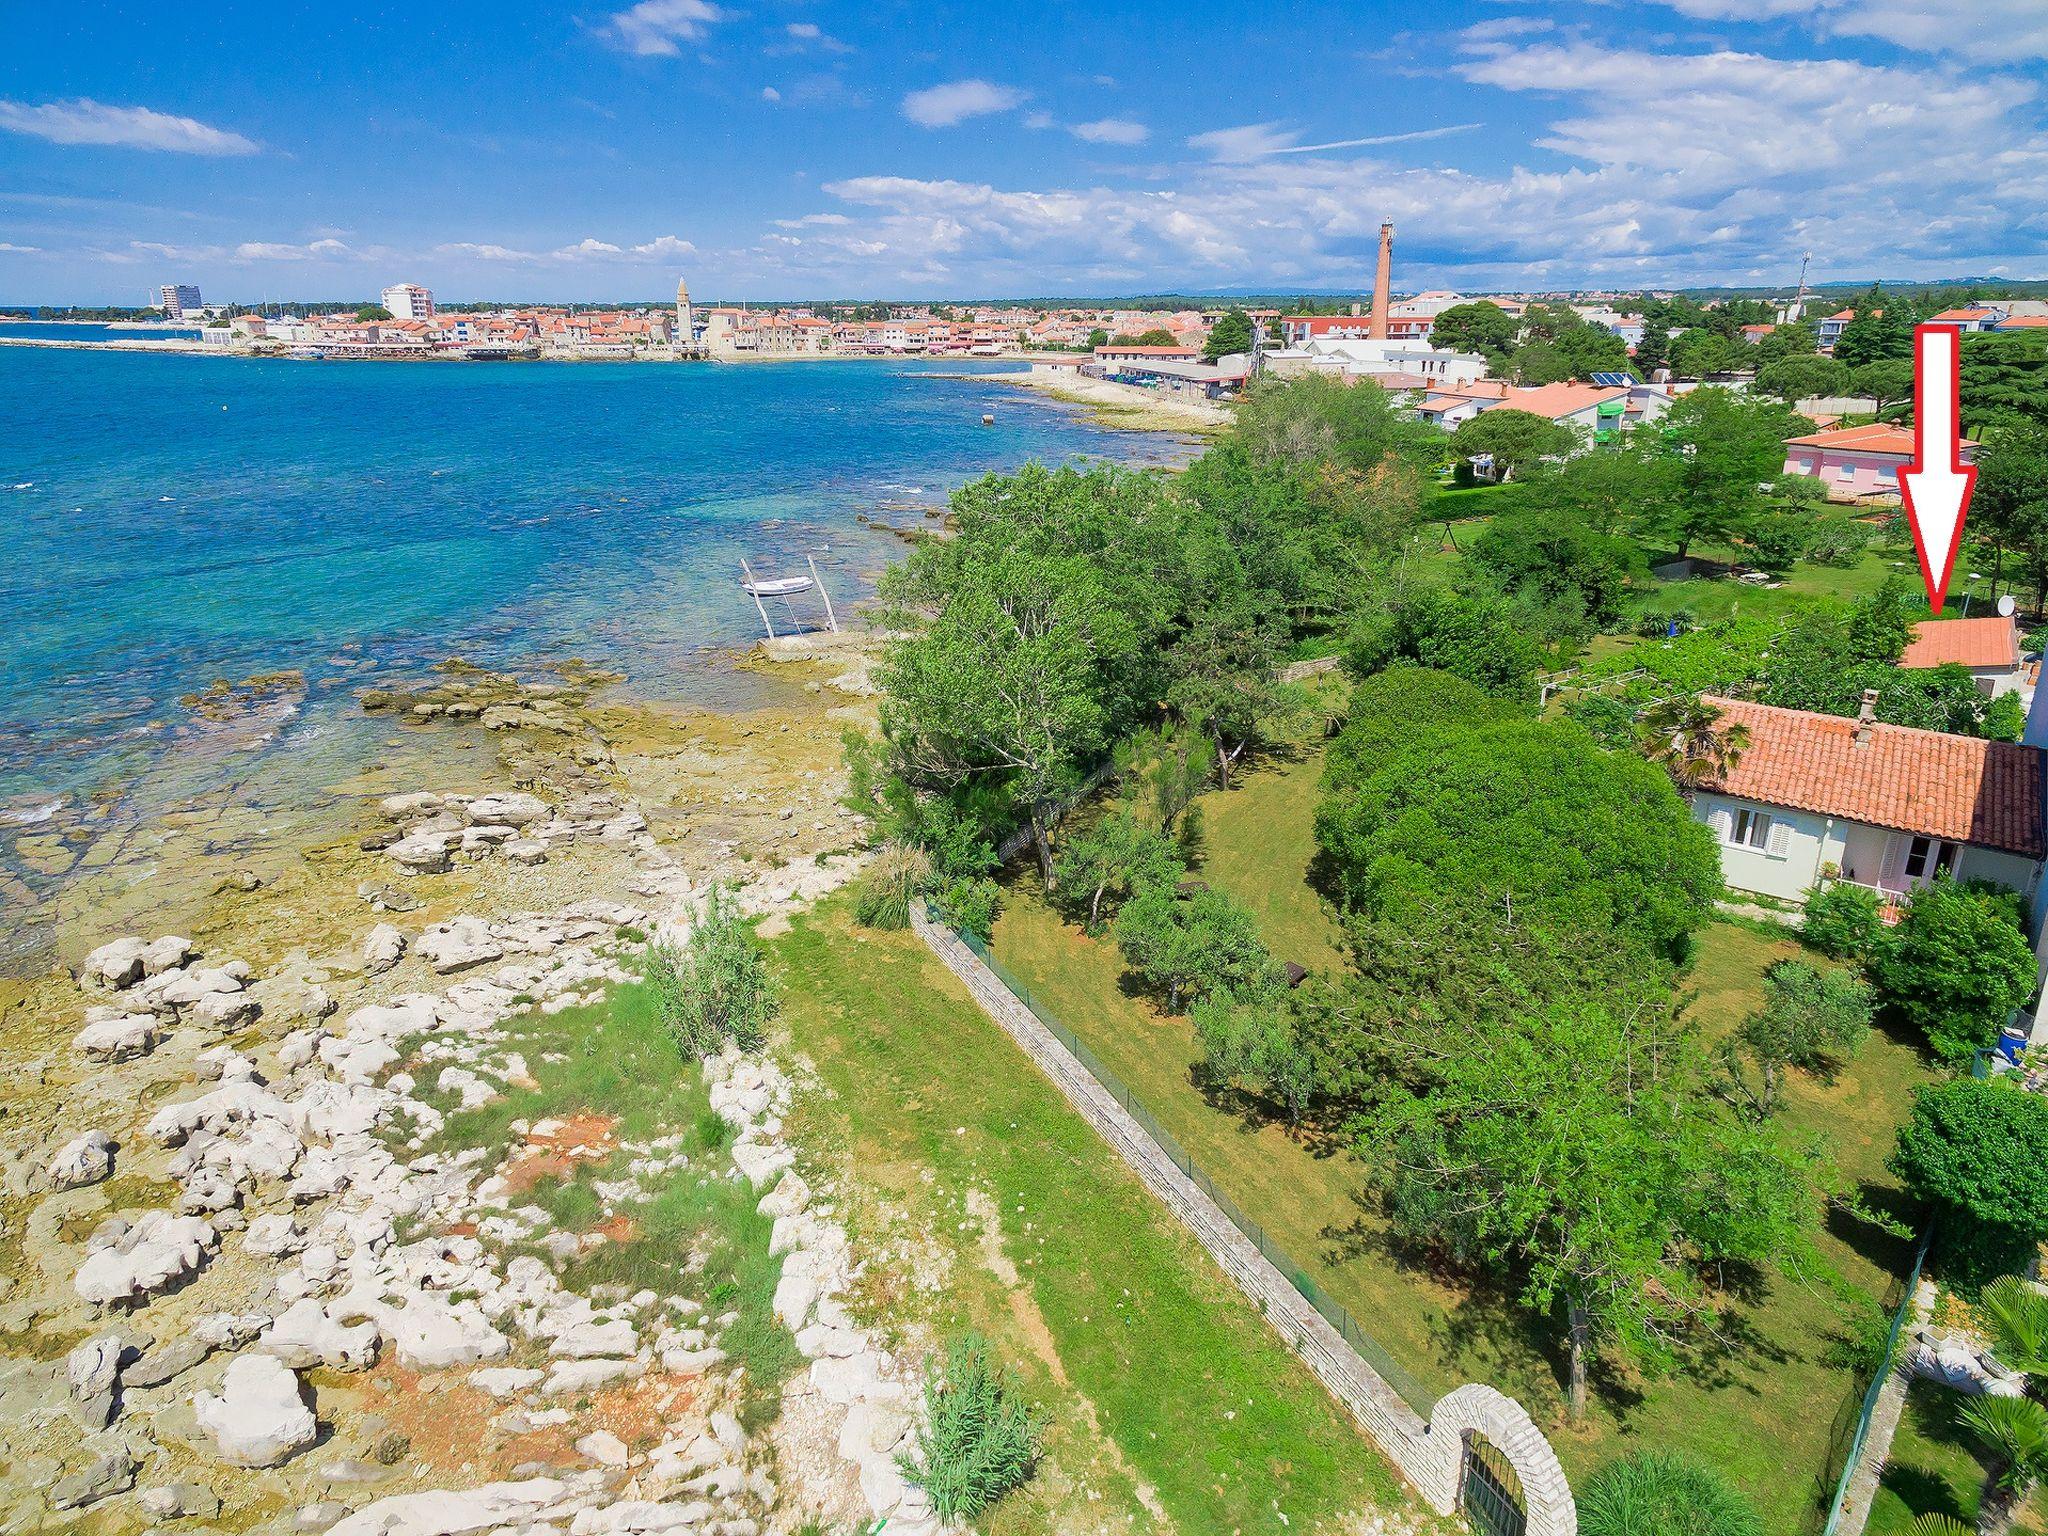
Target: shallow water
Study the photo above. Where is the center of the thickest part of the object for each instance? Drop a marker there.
(174, 520)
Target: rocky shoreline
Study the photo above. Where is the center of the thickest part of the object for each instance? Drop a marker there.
(248, 1281)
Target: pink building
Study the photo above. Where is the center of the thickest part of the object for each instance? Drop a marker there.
(1856, 463)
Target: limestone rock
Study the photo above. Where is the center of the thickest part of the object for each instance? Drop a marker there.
(259, 1417)
(306, 1334)
(432, 1334)
(514, 809)
(179, 1501)
(445, 1512)
(165, 1363)
(85, 1159)
(157, 1252)
(458, 944)
(382, 949)
(92, 1371)
(120, 1037)
(113, 1473)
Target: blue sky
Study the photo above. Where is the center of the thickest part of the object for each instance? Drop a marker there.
(788, 148)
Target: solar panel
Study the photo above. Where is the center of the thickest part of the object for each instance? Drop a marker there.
(1615, 380)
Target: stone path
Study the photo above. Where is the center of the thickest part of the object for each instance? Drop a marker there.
(1391, 1423)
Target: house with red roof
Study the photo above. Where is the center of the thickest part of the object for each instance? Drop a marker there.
(1815, 797)
(1857, 463)
(1969, 317)
(1989, 647)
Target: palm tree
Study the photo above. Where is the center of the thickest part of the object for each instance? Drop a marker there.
(1941, 1525)
(2015, 1430)
(1684, 736)
(2016, 1317)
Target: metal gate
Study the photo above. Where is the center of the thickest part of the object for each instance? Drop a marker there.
(1489, 1492)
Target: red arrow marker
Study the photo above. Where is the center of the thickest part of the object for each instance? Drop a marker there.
(1936, 487)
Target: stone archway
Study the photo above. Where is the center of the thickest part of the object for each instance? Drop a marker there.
(1504, 1425)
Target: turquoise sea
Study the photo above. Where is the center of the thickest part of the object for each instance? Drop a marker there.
(172, 520)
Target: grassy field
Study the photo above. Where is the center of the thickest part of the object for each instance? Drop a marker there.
(985, 1203)
(1761, 1411)
(1934, 1468)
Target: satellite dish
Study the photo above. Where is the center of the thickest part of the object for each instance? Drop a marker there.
(2006, 606)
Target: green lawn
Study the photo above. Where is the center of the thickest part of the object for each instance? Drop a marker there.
(1934, 1468)
(1762, 1411)
(985, 1202)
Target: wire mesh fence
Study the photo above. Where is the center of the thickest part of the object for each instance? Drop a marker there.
(1375, 1354)
(1849, 1452)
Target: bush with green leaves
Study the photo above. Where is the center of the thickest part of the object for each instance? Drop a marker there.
(715, 988)
(1661, 1493)
(897, 876)
(979, 1439)
(1843, 922)
(1812, 1019)
(1956, 966)
(1111, 862)
(1974, 1149)
(1189, 946)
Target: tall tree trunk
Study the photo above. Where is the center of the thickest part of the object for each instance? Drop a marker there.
(1222, 763)
(1580, 1328)
(1042, 842)
(1095, 909)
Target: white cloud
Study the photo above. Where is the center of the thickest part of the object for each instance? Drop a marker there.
(659, 28)
(813, 220)
(1255, 141)
(664, 247)
(1111, 130)
(270, 250)
(589, 250)
(10, 248)
(91, 122)
(769, 93)
(1038, 122)
(1699, 167)
(585, 249)
(1993, 30)
(942, 106)
(804, 31)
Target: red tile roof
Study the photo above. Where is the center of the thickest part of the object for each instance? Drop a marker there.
(1872, 437)
(1924, 782)
(1992, 642)
(1964, 312)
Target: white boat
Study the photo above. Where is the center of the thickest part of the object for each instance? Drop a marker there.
(777, 586)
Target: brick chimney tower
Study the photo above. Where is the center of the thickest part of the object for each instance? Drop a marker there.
(1381, 283)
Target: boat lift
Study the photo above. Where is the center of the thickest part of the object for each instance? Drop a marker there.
(785, 587)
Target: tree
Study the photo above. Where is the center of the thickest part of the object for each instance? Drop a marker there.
(1511, 439)
(2010, 510)
(1888, 381)
(1097, 338)
(1804, 377)
(1718, 450)
(1843, 921)
(1661, 1493)
(1319, 419)
(1524, 821)
(1653, 351)
(1956, 967)
(1476, 636)
(1540, 362)
(1879, 330)
(1590, 349)
(1797, 339)
(1558, 557)
(1223, 663)
(2004, 375)
(1397, 708)
(1252, 1038)
(1115, 858)
(1481, 326)
(367, 312)
(1573, 1149)
(1684, 736)
(1974, 1148)
(1699, 352)
(1810, 1018)
(1158, 336)
(1192, 945)
(1232, 333)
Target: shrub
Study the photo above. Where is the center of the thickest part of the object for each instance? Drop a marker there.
(896, 878)
(979, 1440)
(970, 903)
(1188, 946)
(1658, 1493)
(1957, 965)
(1843, 922)
(716, 988)
(1974, 1149)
